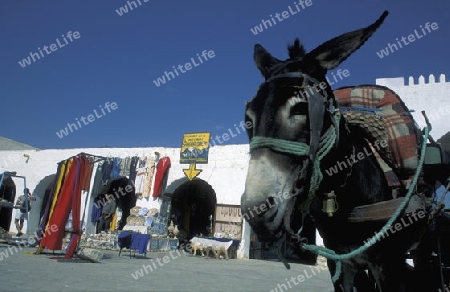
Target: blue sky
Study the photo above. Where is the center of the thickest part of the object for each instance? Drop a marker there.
(116, 58)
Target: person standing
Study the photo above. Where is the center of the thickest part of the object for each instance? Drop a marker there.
(108, 211)
(21, 213)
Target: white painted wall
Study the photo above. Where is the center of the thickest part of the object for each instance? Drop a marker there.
(225, 172)
(431, 95)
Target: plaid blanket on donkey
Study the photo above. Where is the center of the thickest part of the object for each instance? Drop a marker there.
(382, 116)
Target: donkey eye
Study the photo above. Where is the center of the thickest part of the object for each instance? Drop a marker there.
(300, 108)
(249, 126)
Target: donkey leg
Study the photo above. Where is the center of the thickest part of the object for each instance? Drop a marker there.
(348, 273)
(390, 275)
(364, 282)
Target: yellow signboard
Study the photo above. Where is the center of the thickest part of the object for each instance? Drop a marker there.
(195, 148)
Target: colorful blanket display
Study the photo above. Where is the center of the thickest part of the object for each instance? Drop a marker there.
(385, 120)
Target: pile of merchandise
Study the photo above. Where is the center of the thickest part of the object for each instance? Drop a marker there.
(4, 235)
(103, 240)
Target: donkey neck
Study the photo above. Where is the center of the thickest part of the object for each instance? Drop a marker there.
(352, 172)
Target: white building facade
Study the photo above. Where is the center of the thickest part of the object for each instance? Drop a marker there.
(225, 172)
(431, 95)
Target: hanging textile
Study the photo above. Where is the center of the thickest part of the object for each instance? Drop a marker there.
(115, 170)
(59, 178)
(98, 185)
(148, 177)
(73, 175)
(59, 218)
(141, 171)
(96, 212)
(113, 224)
(125, 166)
(133, 169)
(87, 178)
(66, 200)
(161, 175)
(82, 169)
(106, 170)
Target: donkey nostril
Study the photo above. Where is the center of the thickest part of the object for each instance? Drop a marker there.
(270, 201)
(266, 206)
(272, 217)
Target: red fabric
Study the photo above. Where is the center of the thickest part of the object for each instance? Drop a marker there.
(68, 199)
(83, 171)
(86, 182)
(53, 240)
(161, 168)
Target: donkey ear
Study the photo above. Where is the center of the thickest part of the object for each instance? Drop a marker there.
(333, 52)
(264, 60)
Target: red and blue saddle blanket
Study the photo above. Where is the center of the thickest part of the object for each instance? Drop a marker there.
(382, 117)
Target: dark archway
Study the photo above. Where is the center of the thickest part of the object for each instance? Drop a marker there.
(193, 205)
(41, 192)
(8, 193)
(124, 193)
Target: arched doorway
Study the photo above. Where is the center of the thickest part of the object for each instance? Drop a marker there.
(123, 192)
(41, 193)
(193, 206)
(7, 193)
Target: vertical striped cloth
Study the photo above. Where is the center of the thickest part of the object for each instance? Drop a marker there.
(382, 116)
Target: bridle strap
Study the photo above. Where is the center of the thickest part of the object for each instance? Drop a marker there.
(327, 142)
(280, 145)
(288, 75)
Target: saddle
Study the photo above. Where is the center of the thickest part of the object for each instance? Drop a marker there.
(383, 118)
(394, 138)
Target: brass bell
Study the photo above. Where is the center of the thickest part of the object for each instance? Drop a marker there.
(329, 204)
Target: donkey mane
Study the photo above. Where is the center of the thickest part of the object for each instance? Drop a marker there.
(296, 50)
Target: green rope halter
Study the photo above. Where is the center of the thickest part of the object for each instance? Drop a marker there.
(327, 141)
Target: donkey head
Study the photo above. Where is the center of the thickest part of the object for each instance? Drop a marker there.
(290, 113)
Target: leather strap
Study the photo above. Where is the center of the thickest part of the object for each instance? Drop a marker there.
(382, 211)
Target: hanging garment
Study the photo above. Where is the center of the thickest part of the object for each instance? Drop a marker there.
(53, 197)
(106, 170)
(161, 174)
(115, 170)
(141, 171)
(139, 183)
(44, 218)
(58, 218)
(133, 168)
(76, 207)
(125, 166)
(88, 175)
(113, 225)
(148, 178)
(96, 212)
(68, 165)
(98, 185)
